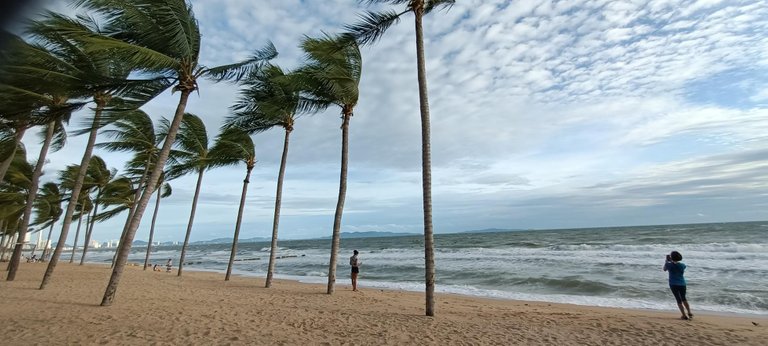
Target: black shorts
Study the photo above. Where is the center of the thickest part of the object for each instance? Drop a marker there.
(679, 292)
(355, 270)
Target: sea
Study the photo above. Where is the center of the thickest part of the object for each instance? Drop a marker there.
(610, 267)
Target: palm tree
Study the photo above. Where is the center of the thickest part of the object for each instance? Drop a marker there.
(371, 27)
(162, 192)
(48, 211)
(159, 37)
(83, 206)
(332, 75)
(50, 130)
(235, 145)
(194, 156)
(270, 98)
(134, 132)
(101, 78)
(13, 194)
(100, 177)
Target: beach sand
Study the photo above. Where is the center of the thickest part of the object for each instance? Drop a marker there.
(200, 308)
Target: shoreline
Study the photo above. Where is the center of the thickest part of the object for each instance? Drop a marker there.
(201, 308)
(362, 283)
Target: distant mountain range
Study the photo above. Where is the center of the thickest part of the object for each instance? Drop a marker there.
(371, 234)
(344, 235)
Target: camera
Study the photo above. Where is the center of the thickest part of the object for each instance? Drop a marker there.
(669, 258)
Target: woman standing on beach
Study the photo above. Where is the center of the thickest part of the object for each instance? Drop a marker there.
(355, 263)
(676, 270)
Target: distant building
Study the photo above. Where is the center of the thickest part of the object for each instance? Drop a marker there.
(111, 244)
(94, 244)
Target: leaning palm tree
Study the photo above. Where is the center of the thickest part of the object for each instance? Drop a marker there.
(101, 79)
(163, 191)
(332, 76)
(159, 37)
(235, 145)
(371, 27)
(48, 140)
(270, 98)
(100, 176)
(48, 211)
(194, 156)
(14, 194)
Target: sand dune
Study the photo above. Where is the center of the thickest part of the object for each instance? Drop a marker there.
(158, 308)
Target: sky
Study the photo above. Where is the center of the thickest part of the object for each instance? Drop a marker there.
(545, 114)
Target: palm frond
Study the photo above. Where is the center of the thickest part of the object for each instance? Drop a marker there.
(371, 26)
(237, 71)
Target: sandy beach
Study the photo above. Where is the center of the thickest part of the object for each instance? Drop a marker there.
(200, 308)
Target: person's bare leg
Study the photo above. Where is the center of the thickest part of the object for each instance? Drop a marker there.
(687, 307)
(680, 306)
(354, 281)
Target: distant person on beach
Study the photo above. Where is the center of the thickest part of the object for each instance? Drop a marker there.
(156, 268)
(168, 266)
(677, 284)
(355, 263)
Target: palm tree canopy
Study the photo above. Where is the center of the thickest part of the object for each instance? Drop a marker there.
(132, 131)
(15, 187)
(270, 97)
(48, 205)
(372, 25)
(119, 194)
(160, 37)
(333, 70)
(233, 144)
(192, 153)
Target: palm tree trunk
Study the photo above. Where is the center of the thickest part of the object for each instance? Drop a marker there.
(47, 243)
(426, 163)
(77, 231)
(39, 237)
(100, 103)
(340, 203)
(12, 243)
(249, 168)
(191, 221)
(152, 228)
(77, 234)
(122, 257)
(89, 229)
(7, 162)
(278, 201)
(31, 195)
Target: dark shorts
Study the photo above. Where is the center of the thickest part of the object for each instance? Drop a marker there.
(679, 292)
(355, 270)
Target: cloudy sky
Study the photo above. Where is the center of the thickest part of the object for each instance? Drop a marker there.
(545, 114)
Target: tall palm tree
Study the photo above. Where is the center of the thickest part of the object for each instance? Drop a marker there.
(270, 98)
(371, 27)
(233, 144)
(101, 79)
(332, 76)
(162, 192)
(194, 156)
(159, 37)
(48, 211)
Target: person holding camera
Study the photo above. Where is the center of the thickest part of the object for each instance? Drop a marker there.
(676, 270)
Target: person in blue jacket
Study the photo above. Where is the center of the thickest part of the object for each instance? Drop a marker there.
(677, 284)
